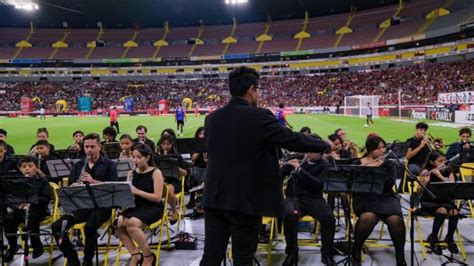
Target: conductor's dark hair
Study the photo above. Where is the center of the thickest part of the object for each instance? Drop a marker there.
(465, 130)
(29, 159)
(422, 125)
(145, 150)
(110, 131)
(372, 143)
(140, 127)
(92, 136)
(241, 79)
(305, 130)
(77, 132)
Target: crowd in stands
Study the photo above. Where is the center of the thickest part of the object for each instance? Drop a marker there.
(420, 84)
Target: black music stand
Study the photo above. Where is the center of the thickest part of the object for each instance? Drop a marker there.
(112, 150)
(354, 179)
(58, 169)
(123, 168)
(106, 195)
(68, 154)
(467, 155)
(191, 145)
(399, 148)
(17, 190)
(452, 191)
(168, 165)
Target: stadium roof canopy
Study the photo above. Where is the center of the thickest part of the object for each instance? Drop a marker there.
(152, 13)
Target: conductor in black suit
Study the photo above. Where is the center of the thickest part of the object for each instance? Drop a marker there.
(243, 182)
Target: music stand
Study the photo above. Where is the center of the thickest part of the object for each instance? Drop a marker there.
(467, 155)
(168, 165)
(58, 169)
(68, 154)
(356, 179)
(399, 148)
(112, 150)
(16, 190)
(106, 195)
(191, 145)
(452, 191)
(123, 168)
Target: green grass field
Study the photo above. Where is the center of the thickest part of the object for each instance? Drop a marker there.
(21, 131)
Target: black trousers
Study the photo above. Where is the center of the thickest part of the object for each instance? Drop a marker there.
(13, 219)
(116, 125)
(319, 210)
(93, 220)
(180, 125)
(222, 224)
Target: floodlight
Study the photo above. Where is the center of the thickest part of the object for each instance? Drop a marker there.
(236, 2)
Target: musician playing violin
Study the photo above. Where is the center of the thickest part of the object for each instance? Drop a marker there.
(437, 171)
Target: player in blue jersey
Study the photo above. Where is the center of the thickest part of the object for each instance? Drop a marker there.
(180, 117)
(281, 117)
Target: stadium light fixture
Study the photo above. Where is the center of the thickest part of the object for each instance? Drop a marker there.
(27, 5)
(236, 2)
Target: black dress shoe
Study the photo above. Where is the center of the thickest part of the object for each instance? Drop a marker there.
(401, 260)
(452, 247)
(328, 260)
(290, 260)
(10, 254)
(436, 249)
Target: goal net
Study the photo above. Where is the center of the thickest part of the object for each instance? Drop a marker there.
(357, 105)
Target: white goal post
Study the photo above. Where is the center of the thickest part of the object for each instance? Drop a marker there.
(356, 105)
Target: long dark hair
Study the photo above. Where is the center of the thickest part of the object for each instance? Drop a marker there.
(169, 131)
(433, 157)
(172, 140)
(372, 143)
(198, 131)
(145, 150)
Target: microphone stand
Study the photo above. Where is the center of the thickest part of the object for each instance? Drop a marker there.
(295, 209)
(412, 178)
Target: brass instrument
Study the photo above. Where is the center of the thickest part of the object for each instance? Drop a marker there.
(433, 143)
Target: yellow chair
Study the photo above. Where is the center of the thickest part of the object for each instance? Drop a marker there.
(311, 242)
(181, 204)
(467, 173)
(272, 222)
(155, 229)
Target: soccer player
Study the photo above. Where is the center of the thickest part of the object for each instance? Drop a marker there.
(180, 117)
(281, 117)
(369, 115)
(114, 119)
(42, 112)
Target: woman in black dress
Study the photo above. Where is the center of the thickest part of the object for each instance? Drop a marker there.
(371, 208)
(440, 209)
(147, 187)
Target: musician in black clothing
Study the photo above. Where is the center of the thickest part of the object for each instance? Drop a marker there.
(370, 208)
(456, 148)
(142, 137)
(42, 151)
(78, 137)
(7, 164)
(3, 137)
(418, 150)
(97, 170)
(436, 171)
(15, 215)
(309, 191)
(42, 134)
(109, 134)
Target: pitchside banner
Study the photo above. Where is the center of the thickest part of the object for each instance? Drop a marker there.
(437, 114)
(464, 117)
(456, 97)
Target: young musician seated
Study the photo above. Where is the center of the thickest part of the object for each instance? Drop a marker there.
(167, 147)
(42, 134)
(141, 131)
(456, 148)
(3, 136)
(126, 144)
(94, 170)
(347, 144)
(147, 187)
(436, 171)
(199, 162)
(15, 216)
(78, 137)
(370, 208)
(309, 191)
(7, 164)
(109, 134)
(418, 150)
(168, 131)
(42, 151)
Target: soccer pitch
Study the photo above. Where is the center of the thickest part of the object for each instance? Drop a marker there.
(22, 131)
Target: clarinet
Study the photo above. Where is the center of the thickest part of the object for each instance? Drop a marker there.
(86, 162)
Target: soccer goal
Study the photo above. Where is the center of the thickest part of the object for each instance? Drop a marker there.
(357, 105)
